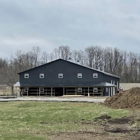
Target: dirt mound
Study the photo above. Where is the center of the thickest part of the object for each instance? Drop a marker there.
(128, 99)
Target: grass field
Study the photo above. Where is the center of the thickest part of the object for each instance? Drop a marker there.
(37, 120)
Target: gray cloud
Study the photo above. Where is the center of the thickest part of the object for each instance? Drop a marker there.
(76, 23)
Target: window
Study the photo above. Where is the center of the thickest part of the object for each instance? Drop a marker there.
(95, 75)
(79, 89)
(60, 75)
(95, 89)
(79, 75)
(41, 75)
(26, 75)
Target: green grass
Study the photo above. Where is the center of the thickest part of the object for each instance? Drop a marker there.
(34, 120)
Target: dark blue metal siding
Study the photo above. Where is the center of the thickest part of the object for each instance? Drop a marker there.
(108, 79)
(105, 94)
(69, 71)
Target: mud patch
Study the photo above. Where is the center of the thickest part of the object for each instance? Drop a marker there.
(121, 129)
(44, 123)
(113, 129)
(124, 120)
(94, 136)
(103, 118)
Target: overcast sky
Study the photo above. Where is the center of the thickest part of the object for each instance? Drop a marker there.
(76, 23)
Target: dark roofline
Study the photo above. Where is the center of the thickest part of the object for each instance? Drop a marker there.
(39, 66)
(75, 64)
(95, 69)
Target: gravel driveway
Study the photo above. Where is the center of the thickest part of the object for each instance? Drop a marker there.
(57, 99)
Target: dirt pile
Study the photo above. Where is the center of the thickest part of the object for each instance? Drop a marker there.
(128, 99)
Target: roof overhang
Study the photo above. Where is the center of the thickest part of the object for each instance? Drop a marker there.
(106, 84)
(17, 84)
(102, 84)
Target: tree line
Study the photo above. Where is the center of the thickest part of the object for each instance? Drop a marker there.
(112, 60)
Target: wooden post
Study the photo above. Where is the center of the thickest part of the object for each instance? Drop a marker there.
(114, 90)
(39, 91)
(51, 91)
(75, 90)
(88, 92)
(21, 92)
(84, 91)
(110, 91)
(27, 91)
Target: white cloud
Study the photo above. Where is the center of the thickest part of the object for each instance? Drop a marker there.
(11, 45)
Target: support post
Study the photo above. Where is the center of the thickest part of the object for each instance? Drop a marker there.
(51, 91)
(27, 91)
(39, 91)
(75, 90)
(84, 91)
(88, 92)
(114, 90)
(109, 91)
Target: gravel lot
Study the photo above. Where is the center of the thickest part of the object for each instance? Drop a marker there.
(57, 99)
(127, 86)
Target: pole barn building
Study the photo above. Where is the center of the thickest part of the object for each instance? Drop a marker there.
(62, 77)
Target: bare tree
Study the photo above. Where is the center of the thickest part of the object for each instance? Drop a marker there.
(9, 75)
(133, 67)
(112, 60)
(36, 55)
(19, 62)
(90, 55)
(98, 58)
(3, 65)
(44, 57)
(62, 52)
(78, 56)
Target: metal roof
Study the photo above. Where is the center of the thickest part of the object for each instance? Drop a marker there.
(106, 84)
(94, 69)
(84, 84)
(17, 84)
